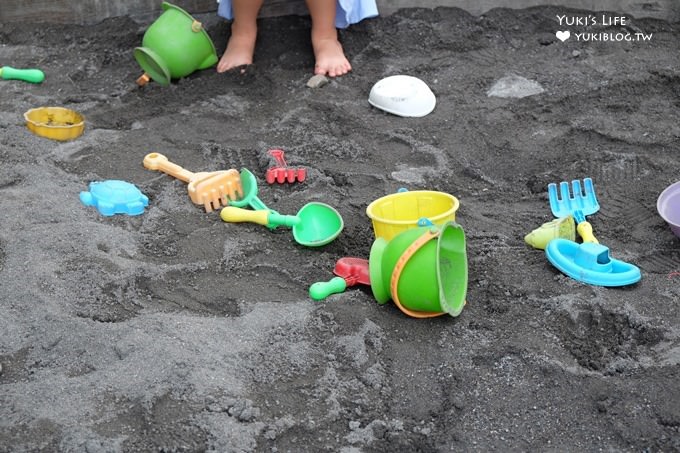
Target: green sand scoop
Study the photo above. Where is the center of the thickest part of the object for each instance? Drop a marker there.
(27, 75)
(314, 225)
(174, 46)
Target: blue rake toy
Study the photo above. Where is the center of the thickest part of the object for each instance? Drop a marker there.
(577, 202)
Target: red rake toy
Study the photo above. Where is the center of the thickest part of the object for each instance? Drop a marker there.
(281, 172)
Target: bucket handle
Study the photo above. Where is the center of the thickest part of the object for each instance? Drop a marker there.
(399, 267)
(196, 26)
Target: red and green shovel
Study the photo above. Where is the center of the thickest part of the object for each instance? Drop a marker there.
(350, 271)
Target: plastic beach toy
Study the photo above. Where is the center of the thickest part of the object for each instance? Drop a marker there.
(115, 197)
(56, 123)
(668, 205)
(423, 270)
(564, 228)
(250, 190)
(27, 75)
(174, 46)
(315, 224)
(397, 212)
(578, 203)
(402, 95)
(249, 197)
(350, 271)
(590, 263)
(211, 189)
(282, 172)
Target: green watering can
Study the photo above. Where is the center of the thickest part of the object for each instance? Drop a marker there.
(174, 46)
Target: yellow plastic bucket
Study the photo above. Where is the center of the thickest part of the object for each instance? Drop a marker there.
(398, 212)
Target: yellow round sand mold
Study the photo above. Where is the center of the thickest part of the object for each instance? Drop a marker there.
(56, 123)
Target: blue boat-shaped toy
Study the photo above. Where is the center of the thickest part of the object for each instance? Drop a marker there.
(590, 263)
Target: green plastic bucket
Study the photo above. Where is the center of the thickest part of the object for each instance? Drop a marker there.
(174, 46)
(423, 270)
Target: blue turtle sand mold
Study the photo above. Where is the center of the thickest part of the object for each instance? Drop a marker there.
(115, 197)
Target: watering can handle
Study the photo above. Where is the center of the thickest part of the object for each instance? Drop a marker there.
(399, 267)
(585, 230)
(157, 161)
(321, 290)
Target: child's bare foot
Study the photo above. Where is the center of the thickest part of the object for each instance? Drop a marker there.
(240, 48)
(330, 58)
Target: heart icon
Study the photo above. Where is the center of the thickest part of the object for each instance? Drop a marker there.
(563, 35)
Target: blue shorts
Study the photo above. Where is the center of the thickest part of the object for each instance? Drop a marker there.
(348, 11)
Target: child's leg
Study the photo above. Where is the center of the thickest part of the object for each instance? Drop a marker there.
(330, 58)
(241, 45)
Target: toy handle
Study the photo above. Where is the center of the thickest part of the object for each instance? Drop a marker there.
(236, 215)
(321, 290)
(257, 204)
(585, 230)
(157, 161)
(277, 154)
(27, 75)
(261, 217)
(277, 219)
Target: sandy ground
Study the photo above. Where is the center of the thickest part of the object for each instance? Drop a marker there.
(175, 331)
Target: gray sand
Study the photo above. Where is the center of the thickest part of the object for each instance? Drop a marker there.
(175, 331)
